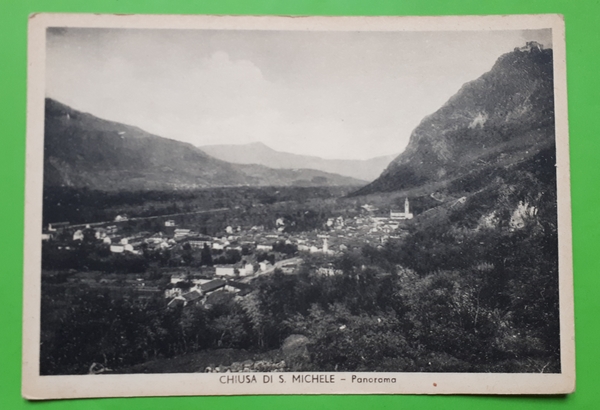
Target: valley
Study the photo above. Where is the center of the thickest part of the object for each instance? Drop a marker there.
(159, 257)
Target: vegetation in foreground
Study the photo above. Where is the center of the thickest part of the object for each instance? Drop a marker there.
(473, 288)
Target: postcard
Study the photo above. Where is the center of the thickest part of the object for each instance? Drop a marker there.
(241, 205)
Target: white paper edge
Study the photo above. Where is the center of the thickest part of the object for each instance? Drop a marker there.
(36, 387)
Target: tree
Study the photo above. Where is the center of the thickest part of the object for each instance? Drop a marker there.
(206, 257)
(187, 255)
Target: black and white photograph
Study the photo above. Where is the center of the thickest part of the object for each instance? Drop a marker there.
(239, 205)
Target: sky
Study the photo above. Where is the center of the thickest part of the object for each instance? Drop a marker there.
(338, 95)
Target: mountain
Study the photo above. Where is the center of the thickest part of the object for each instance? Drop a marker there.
(81, 150)
(500, 119)
(259, 153)
(482, 181)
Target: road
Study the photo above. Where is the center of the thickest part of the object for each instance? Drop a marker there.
(141, 218)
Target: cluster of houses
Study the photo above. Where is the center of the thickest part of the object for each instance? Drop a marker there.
(256, 246)
(339, 234)
(172, 236)
(372, 226)
(201, 290)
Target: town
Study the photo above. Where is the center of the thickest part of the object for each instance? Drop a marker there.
(201, 268)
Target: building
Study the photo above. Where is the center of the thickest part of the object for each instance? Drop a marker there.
(100, 233)
(397, 214)
(198, 242)
(369, 208)
(241, 289)
(78, 235)
(170, 223)
(186, 299)
(117, 248)
(53, 227)
(155, 239)
(178, 277)
(224, 271)
(176, 301)
(172, 292)
(212, 286)
(192, 297)
(265, 265)
(328, 270)
(181, 233)
(248, 269)
(218, 245)
(200, 281)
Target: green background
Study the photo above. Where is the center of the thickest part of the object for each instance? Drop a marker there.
(582, 19)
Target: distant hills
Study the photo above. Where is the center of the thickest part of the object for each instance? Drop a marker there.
(81, 150)
(259, 153)
(501, 119)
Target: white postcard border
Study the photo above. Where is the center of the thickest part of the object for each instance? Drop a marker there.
(36, 387)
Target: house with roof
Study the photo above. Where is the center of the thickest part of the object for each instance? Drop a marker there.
(100, 233)
(78, 235)
(248, 269)
(199, 281)
(198, 242)
(178, 277)
(265, 265)
(47, 236)
(329, 270)
(224, 270)
(155, 239)
(235, 248)
(111, 229)
(240, 288)
(117, 248)
(192, 297)
(181, 233)
(110, 239)
(218, 245)
(172, 292)
(176, 302)
(55, 226)
(212, 286)
(369, 208)
(186, 299)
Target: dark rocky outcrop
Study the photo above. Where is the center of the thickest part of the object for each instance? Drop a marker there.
(501, 118)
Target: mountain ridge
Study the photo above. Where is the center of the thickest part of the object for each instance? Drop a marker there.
(82, 150)
(261, 154)
(505, 114)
